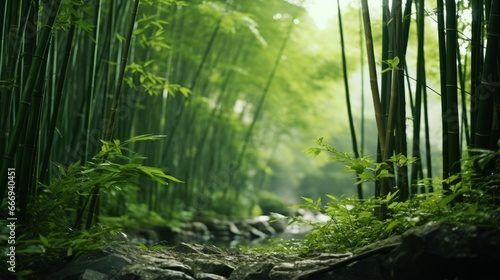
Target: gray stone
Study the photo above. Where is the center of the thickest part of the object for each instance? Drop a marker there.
(252, 271)
(167, 263)
(188, 248)
(282, 271)
(213, 266)
(445, 251)
(262, 224)
(142, 272)
(96, 261)
(209, 276)
(365, 268)
(255, 232)
(210, 250)
(90, 274)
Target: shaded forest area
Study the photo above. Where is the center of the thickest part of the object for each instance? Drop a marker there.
(138, 113)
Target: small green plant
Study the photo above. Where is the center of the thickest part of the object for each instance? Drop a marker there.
(366, 168)
(352, 223)
(56, 213)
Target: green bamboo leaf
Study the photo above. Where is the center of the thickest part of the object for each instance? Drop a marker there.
(90, 170)
(393, 224)
(483, 161)
(172, 178)
(185, 91)
(120, 156)
(394, 62)
(58, 132)
(310, 200)
(144, 137)
(144, 247)
(119, 37)
(447, 199)
(147, 63)
(159, 32)
(332, 197)
(158, 24)
(314, 151)
(109, 167)
(390, 196)
(130, 166)
(472, 210)
(61, 169)
(44, 240)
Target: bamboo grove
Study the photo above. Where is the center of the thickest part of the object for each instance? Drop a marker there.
(468, 78)
(216, 92)
(79, 76)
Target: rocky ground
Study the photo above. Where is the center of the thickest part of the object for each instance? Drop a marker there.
(434, 251)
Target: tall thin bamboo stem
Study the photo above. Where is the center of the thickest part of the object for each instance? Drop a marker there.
(418, 94)
(451, 110)
(443, 74)
(89, 110)
(94, 195)
(379, 115)
(476, 63)
(347, 95)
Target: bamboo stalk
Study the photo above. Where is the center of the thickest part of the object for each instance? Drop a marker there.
(94, 195)
(443, 74)
(476, 63)
(427, 138)
(395, 100)
(373, 75)
(57, 104)
(28, 163)
(89, 112)
(420, 7)
(489, 82)
(347, 96)
(22, 113)
(451, 110)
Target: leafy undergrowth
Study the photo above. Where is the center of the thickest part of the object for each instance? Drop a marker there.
(57, 227)
(353, 223)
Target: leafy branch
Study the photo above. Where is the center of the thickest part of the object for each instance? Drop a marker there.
(367, 169)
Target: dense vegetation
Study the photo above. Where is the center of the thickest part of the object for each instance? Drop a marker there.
(139, 113)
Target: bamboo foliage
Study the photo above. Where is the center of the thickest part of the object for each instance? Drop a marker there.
(76, 105)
